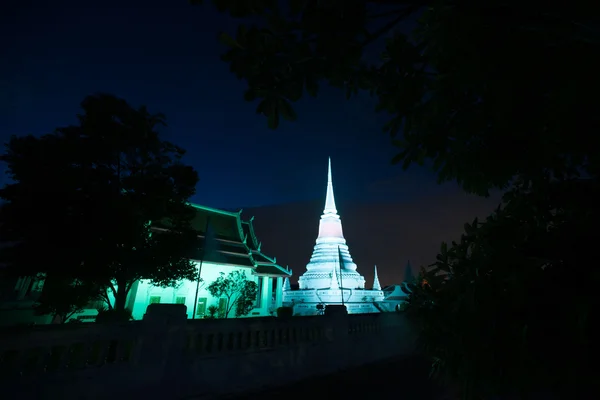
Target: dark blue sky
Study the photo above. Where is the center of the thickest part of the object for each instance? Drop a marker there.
(164, 53)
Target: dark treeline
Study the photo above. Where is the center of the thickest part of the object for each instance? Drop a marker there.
(82, 205)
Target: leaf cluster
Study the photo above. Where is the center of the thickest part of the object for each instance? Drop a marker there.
(86, 201)
(509, 307)
(483, 92)
(63, 297)
(237, 289)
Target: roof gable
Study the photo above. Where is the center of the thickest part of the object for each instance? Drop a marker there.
(236, 242)
(248, 229)
(227, 225)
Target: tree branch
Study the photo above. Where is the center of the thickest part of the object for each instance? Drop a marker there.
(387, 27)
(112, 287)
(233, 301)
(104, 296)
(67, 316)
(389, 13)
(228, 305)
(128, 286)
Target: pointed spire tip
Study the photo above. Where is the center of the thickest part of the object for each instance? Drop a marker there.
(376, 284)
(329, 200)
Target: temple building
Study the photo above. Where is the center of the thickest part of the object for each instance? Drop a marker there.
(331, 275)
(235, 247)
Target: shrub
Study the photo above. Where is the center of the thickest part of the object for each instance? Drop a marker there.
(113, 316)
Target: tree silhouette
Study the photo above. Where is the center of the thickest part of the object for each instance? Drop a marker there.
(490, 312)
(103, 202)
(64, 297)
(481, 91)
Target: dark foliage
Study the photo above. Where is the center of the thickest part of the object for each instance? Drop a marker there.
(86, 199)
(108, 316)
(484, 90)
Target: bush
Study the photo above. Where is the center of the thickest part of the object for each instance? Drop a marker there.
(212, 312)
(113, 316)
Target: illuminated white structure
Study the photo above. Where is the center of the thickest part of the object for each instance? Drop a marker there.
(331, 251)
(376, 284)
(331, 275)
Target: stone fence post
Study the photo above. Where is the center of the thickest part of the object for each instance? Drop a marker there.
(337, 316)
(337, 334)
(161, 347)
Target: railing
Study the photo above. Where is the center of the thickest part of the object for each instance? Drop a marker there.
(29, 352)
(165, 354)
(227, 336)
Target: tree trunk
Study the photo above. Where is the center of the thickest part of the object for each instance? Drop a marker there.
(227, 309)
(106, 298)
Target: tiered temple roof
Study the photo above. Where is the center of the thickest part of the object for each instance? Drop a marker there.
(236, 242)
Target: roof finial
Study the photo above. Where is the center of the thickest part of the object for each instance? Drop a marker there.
(376, 284)
(330, 200)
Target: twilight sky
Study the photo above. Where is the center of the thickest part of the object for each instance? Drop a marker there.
(164, 54)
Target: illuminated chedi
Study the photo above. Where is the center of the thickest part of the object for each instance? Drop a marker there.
(331, 275)
(331, 250)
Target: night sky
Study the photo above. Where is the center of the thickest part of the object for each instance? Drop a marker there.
(164, 54)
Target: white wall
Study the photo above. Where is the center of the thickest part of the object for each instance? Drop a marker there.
(186, 291)
(142, 291)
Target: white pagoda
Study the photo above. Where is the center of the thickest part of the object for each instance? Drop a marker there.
(331, 276)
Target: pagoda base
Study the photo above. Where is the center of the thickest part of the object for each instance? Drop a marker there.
(357, 301)
(322, 280)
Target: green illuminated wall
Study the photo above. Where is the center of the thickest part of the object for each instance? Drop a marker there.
(184, 293)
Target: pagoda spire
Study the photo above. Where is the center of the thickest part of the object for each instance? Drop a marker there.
(376, 284)
(286, 284)
(329, 200)
(334, 279)
(330, 249)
